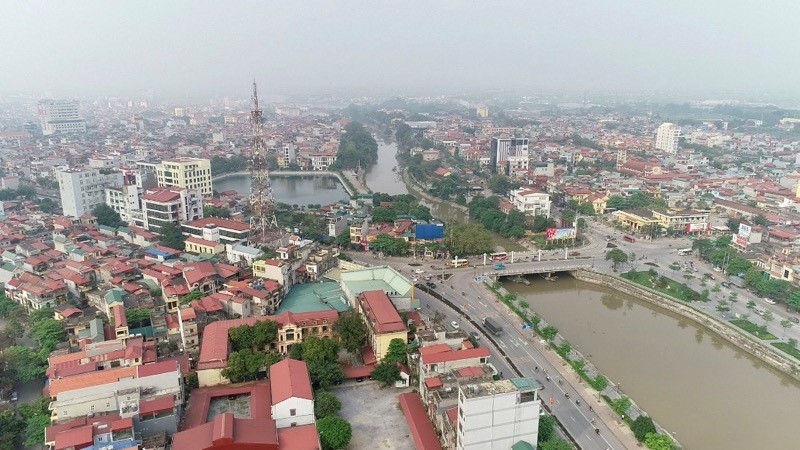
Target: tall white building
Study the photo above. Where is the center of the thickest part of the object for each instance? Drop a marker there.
(531, 201)
(171, 205)
(83, 189)
(496, 415)
(503, 148)
(126, 200)
(60, 116)
(667, 137)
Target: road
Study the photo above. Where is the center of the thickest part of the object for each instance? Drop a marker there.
(476, 302)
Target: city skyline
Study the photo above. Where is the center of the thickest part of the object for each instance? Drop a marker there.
(197, 49)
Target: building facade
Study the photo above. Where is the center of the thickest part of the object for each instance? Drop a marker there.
(667, 137)
(503, 148)
(531, 202)
(60, 116)
(83, 189)
(184, 172)
(175, 206)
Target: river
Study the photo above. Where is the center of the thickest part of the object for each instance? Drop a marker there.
(291, 190)
(711, 394)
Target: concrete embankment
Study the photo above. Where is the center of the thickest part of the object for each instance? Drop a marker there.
(351, 190)
(413, 185)
(765, 353)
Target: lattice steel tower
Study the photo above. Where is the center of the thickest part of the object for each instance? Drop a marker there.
(262, 203)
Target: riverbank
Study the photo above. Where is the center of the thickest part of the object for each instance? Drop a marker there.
(352, 190)
(417, 189)
(739, 339)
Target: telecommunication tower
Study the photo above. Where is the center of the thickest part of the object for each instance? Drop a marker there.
(262, 202)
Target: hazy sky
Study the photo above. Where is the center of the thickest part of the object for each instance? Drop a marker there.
(217, 47)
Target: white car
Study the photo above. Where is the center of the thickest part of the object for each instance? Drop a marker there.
(419, 271)
(454, 324)
(769, 301)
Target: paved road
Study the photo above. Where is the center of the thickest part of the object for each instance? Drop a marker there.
(477, 302)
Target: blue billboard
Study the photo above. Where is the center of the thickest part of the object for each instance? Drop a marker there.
(430, 232)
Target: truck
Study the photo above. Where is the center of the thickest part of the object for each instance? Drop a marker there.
(499, 266)
(492, 326)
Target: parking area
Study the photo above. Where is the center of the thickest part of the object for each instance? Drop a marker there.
(375, 415)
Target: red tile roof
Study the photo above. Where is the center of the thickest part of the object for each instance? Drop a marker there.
(289, 378)
(199, 402)
(457, 355)
(227, 432)
(433, 382)
(220, 223)
(75, 438)
(380, 312)
(162, 195)
(431, 349)
(158, 404)
(421, 428)
(301, 437)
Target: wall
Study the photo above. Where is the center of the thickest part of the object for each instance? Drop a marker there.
(304, 412)
(771, 356)
(211, 377)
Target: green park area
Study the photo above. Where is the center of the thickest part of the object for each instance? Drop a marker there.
(755, 330)
(650, 279)
(787, 348)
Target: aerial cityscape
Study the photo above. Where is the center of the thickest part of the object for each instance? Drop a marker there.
(423, 225)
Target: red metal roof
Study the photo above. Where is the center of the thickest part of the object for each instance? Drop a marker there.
(457, 355)
(301, 437)
(421, 428)
(220, 223)
(158, 404)
(433, 382)
(381, 312)
(289, 378)
(227, 432)
(162, 195)
(75, 438)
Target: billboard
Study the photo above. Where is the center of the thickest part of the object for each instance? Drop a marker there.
(560, 233)
(740, 241)
(745, 230)
(695, 227)
(428, 232)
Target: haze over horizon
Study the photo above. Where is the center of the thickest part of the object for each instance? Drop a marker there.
(182, 48)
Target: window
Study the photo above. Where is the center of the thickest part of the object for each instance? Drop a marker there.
(294, 424)
(292, 412)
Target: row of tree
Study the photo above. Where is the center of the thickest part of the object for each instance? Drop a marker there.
(486, 211)
(357, 148)
(398, 205)
(221, 164)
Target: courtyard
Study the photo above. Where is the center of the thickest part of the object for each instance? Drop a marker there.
(375, 415)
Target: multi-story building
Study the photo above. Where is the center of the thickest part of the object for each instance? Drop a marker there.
(286, 155)
(497, 415)
(531, 201)
(126, 200)
(215, 229)
(60, 116)
(382, 319)
(503, 148)
(183, 172)
(172, 205)
(667, 137)
(83, 189)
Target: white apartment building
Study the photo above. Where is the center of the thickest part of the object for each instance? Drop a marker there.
(667, 137)
(531, 202)
(496, 415)
(83, 189)
(503, 148)
(286, 155)
(171, 205)
(126, 200)
(60, 116)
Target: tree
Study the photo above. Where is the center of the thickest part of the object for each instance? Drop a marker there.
(244, 365)
(396, 353)
(326, 404)
(171, 236)
(322, 357)
(794, 300)
(390, 245)
(343, 239)
(255, 337)
(36, 416)
(549, 332)
(733, 224)
(357, 147)
(642, 426)
(786, 324)
(107, 216)
(48, 333)
(296, 351)
(617, 257)
(10, 429)
(655, 441)
(213, 211)
(352, 331)
(547, 427)
(499, 184)
(750, 304)
(555, 443)
(464, 239)
(621, 405)
(768, 317)
(760, 220)
(386, 372)
(137, 317)
(334, 432)
(24, 363)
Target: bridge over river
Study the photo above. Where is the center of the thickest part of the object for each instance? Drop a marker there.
(547, 267)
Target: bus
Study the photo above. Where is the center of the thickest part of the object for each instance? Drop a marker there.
(685, 251)
(459, 263)
(499, 256)
(628, 238)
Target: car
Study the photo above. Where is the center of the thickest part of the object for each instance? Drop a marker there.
(794, 320)
(574, 253)
(717, 269)
(431, 284)
(14, 396)
(475, 335)
(726, 284)
(708, 275)
(454, 324)
(769, 301)
(418, 271)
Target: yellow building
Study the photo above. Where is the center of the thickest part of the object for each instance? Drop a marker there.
(189, 173)
(688, 220)
(636, 219)
(196, 245)
(383, 321)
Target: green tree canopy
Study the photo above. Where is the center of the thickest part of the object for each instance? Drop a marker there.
(334, 433)
(389, 245)
(547, 427)
(352, 331)
(213, 211)
(322, 357)
(244, 365)
(500, 184)
(107, 216)
(555, 443)
(357, 147)
(326, 404)
(11, 428)
(387, 373)
(255, 337)
(468, 239)
(48, 333)
(617, 257)
(655, 441)
(171, 236)
(642, 426)
(23, 364)
(396, 353)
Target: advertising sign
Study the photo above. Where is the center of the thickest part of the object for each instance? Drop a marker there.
(740, 241)
(695, 227)
(560, 233)
(744, 230)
